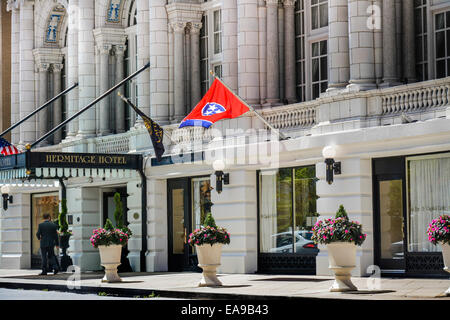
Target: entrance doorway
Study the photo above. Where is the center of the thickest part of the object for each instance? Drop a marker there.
(109, 207)
(189, 202)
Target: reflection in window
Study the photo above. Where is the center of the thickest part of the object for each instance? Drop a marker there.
(420, 23)
(319, 14)
(319, 67)
(41, 204)
(201, 201)
(287, 210)
(442, 36)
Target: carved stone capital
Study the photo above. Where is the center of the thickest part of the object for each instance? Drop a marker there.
(195, 27)
(42, 67)
(104, 49)
(119, 50)
(289, 3)
(57, 67)
(272, 3)
(178, 27)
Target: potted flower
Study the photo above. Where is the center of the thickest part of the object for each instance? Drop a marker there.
(109, 241)
(439, 233)
(64, 235)
(341, 236)
(208, 241)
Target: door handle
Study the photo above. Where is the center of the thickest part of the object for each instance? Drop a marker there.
(185, 236)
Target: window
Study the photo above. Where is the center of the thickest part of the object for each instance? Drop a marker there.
(300, 50)
(210, 46)
(311, 48)
(201, 200)
(319, 67)
(287, 210)
(130, 65)
(420, 22)
(428, 198)
(442, 44)
(319, 14)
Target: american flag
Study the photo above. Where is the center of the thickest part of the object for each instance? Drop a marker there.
(7, 148)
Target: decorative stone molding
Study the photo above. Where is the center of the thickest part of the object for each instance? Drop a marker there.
(109, 37)
(195, 27)
(272, 3)
(57, 67)
(289, 3)
(184, 12)
(47, 56)
(178, 27)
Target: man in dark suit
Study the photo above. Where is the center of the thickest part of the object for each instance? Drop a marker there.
(48, 235)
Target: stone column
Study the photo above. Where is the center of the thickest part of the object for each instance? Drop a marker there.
(104, 51)
(72, 67)
(196, 91)
(273, 61)
(229, 44)
(409, 47)
(178, 61)
(338, 46)
(15, 71)
(119, 105)
(289, 51)
(389, 43)
(158, 34)
(57, 105)
(248, 48)
(42, 68)
(86, 67)
(362, 52)
(26, 82)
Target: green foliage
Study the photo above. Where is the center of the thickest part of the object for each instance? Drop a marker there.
(108, 225)
(209, 221)
(118, 212)
(341, 213)
(62, 219)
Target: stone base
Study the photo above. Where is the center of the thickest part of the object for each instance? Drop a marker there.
(111, 274)
(342, 282)
(209, 276)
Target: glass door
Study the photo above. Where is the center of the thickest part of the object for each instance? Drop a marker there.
(178, 218)
(390, 226)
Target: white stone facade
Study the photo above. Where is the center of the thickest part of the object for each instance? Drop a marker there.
(370, 92)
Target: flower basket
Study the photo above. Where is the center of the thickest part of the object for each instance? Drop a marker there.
(341, 236)
(439, 233)
(109, 241)
(208, 241)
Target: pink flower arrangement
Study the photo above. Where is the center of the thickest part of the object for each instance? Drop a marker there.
(439, 230)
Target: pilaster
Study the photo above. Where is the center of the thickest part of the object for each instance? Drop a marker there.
(273, 61)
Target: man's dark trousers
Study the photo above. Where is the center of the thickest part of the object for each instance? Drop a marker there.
(48, 235)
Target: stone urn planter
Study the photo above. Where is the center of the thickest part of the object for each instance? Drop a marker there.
(208, 241)
(446, 256)
(342, 259)
(439, 233)
(341, 237)
(209, 259)
(110, 259)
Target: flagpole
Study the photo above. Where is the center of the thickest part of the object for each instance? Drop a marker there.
(280, 134)
(138, 111)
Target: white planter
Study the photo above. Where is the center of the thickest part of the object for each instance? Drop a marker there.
(209, 259)
(446, 256)
(342, 259)
(110, 259)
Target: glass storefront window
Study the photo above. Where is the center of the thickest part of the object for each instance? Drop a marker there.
(41, 204)
(287, 210)
(428, 197)
(201, 200)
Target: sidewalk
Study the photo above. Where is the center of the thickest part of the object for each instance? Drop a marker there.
(235, 286)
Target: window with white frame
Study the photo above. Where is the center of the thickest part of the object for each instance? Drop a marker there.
(210, 44)
(130, 64)
(442, 44)
(421, 30)
(311, 33)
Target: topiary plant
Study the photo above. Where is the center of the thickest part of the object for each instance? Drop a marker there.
(62, 219)
(118, 212)
(209, 221)
(341, 213)
(108, 225)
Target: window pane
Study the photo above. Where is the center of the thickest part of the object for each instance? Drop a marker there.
(324, 15)
(429, 183)
(201, 201)
(323, 47)
(323, 86)
(418, 21)
(316, 90)
(440, 44)
(440, 69)
(217, 43)
(315, 70)
(440, 21)
(314, 18)
(276, 212)
(448, 43)
(323, 68)
(315, 49)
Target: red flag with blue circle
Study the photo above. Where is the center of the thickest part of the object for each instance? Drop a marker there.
(217, 104)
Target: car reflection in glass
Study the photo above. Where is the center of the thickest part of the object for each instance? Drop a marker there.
(303, 242)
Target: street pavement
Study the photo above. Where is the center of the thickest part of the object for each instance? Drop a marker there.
(235, 286)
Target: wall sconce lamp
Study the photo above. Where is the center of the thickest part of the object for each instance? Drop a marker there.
(6, 197)
(221, 178)
(329, 152)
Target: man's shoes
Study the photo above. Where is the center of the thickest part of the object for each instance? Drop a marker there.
(55, 271)
(43, 273)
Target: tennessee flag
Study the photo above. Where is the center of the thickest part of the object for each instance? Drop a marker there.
(217, 104)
